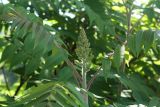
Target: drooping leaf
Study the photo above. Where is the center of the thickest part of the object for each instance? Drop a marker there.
(106, 65)
(18, 59)
(148, 38)
(35, 92)
(138, 42)
(8, 52)
(37, 100)
(77, 94)
(65, 74)
(135, 43)
(32, 65)
(66, 97)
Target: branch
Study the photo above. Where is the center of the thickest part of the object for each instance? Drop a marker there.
(118, 39)
(137, 23)
(76, 75)
(93, 78)
(128, 16)
(22, 81)
(127, 11)
(6, 81)
(19, 87)
(129, 22)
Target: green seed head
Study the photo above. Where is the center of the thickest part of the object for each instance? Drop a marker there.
(83, 49)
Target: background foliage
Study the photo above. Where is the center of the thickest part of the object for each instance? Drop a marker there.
(59, 53)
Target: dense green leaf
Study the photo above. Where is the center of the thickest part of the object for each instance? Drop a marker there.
(65, 74)
(155, 102)
(135, 43)
(38, 42)
(35, 92)
(106, 65)
(32, 65)
(8, 52)
(148, 39)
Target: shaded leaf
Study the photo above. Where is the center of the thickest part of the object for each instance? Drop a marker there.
(148, 38)
(106, 65)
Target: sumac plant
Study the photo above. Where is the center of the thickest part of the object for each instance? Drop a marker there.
(79, 53)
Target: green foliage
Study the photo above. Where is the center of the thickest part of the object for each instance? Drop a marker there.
(48, 94)
(46, 52)
(118, 57)
(106, 65)
(135, 43)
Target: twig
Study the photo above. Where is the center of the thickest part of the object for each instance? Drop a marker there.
(118, 39)
(6, 81)
(129, 22)
(127, 11)
(76, 75)
(136, 23)
(93, 78)
(22, 81)
(128, 16)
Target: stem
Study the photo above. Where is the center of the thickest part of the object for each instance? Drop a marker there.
(6, 80)
(136, 23)
(92, 79)
(84, 82)
(76, 75)
(128, 16)
(129, 22)
(22, 81)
